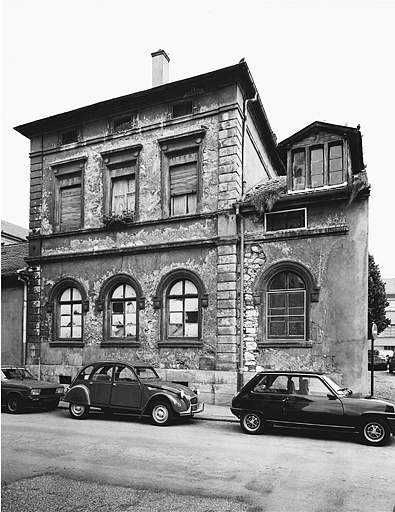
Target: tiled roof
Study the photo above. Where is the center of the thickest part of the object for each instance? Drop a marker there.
(7, 228)
(12, 258)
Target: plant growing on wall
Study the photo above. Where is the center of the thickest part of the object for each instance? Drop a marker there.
(265, 195)
(115, 220)
(359, 183)
(377, 299)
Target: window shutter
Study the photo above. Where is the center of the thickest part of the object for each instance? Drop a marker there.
(70, 213)
(183, 173)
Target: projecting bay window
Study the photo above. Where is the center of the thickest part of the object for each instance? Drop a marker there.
(67, 213)
(317, 166)
(181, 174)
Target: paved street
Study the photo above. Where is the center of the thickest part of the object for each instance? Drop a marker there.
(51, 462)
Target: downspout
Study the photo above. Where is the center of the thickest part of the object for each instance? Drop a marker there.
(240, 224)
(24, 278)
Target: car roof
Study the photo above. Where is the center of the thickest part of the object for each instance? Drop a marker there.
(130, 363)
(290, 372)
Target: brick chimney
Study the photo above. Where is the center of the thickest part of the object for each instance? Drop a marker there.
(160, 68)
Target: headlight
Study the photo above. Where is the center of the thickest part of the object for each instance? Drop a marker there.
(59, 391)
(35, 392)
(183, 395)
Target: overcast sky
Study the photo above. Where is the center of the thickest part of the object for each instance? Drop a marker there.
(311, 61)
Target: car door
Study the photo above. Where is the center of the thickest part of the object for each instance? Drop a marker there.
(126, 388)
(269, 396)
(100, 385)
(311, 402)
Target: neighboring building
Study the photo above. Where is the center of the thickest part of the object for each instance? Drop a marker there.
(385, 342)
(147, 245)
(12, 234)
(13, 302)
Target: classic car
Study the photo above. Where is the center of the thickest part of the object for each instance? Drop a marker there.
(312, 401)
(391, 364)
(135, 388)
(20, 390)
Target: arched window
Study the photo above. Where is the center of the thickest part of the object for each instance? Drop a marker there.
(286, 307)
(123, 311)
(121, 299)
(70, 314)
(183, 310)
(67, 304)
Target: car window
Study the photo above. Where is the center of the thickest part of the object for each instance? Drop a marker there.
(316, 387)
(103, 373)
(4, 375)
(124, 374)
(272, 384)
(84, 374)
(17, 373)
(147, 373)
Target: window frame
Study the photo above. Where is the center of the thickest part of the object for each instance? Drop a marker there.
(53, 309)
(160, 302)
(120, 163)
(171, 147)
(103, 304)
(269, 215)
(67, 174)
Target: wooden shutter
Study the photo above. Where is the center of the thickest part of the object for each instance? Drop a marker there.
(183, 173)
(70, 208)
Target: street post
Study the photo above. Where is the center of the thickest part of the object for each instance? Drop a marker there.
(373, 337)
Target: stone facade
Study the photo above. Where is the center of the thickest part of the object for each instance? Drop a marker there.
(79, 155)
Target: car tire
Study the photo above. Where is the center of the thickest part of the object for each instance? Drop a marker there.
(79, 411)
(161, 414)
(375, 432)
(252, 423)
(390, 370)
(14, 404)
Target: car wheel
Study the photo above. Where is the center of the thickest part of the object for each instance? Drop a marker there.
(14, 404)
(252, 423)
(161, 414)
(78, 411)
(390, 369)
(375, 432)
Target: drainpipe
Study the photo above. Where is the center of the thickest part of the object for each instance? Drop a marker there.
(240, 376)
(24, 278)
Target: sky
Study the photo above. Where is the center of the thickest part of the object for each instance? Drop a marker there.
(330, 61)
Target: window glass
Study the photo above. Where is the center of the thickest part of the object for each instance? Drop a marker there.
(123, 194)
(286, 306)
(84, 374)
(183, 182)
(123, 309)
(273, 384)
(316, 387)
(317, 167)
(335, 164)
(299, 169)
(124, 374)
(285, 220)
(70, 314)
(103, 373)
(182, 109)
(183, 310)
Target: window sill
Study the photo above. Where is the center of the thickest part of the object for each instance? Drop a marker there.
(285, 344)
(77, 343)
(119, 343)
(180, 343)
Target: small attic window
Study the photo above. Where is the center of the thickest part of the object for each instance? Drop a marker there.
(122, 123)
(69, 137)
(182, 108)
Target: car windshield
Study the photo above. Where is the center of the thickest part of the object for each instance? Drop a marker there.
(146, 373)
(338, 389)
(16, 373)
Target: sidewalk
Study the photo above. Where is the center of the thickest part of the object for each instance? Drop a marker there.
(210, 413)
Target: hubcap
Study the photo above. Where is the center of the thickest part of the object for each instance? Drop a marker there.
(13, 404)
(78, 409)
(160, 414)
(252, 422)
(374, 432)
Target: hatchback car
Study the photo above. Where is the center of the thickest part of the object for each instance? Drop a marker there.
(20, 390)
(379, 361)
(312, 401)
(135, 388)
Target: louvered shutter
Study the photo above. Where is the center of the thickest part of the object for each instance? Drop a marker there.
(70, 213)
(183, 173)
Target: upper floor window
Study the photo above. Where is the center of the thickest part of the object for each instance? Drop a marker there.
(286, 307)
(181, 174)
(67, 213)
(317, 166)
(121, 124)
(69, 136)
(290, 219)
(120, 181)
(182, 108)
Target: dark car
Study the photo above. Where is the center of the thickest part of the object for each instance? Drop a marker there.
(391, 364)
(313, 401)
(20, 390)
(379, 361)
(136, 388)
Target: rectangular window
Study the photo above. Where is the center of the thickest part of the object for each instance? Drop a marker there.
(299, 169)
(70, 208)
(123, 194)
(317, 167)
(335, 164)
(285, 315)
(183, 183)
(182, 108)
(122, 123)
(69, 137)
(291, 219)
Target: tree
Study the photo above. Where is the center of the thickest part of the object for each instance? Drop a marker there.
(377, 299)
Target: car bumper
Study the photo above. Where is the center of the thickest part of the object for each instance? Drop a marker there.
(193, 409)
(237, 411)
(42, 401)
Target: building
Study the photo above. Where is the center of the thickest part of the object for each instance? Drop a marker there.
(385, 342)
(151, 237)
(14, 279)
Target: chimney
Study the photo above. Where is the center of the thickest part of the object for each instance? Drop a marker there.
(160, 68)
